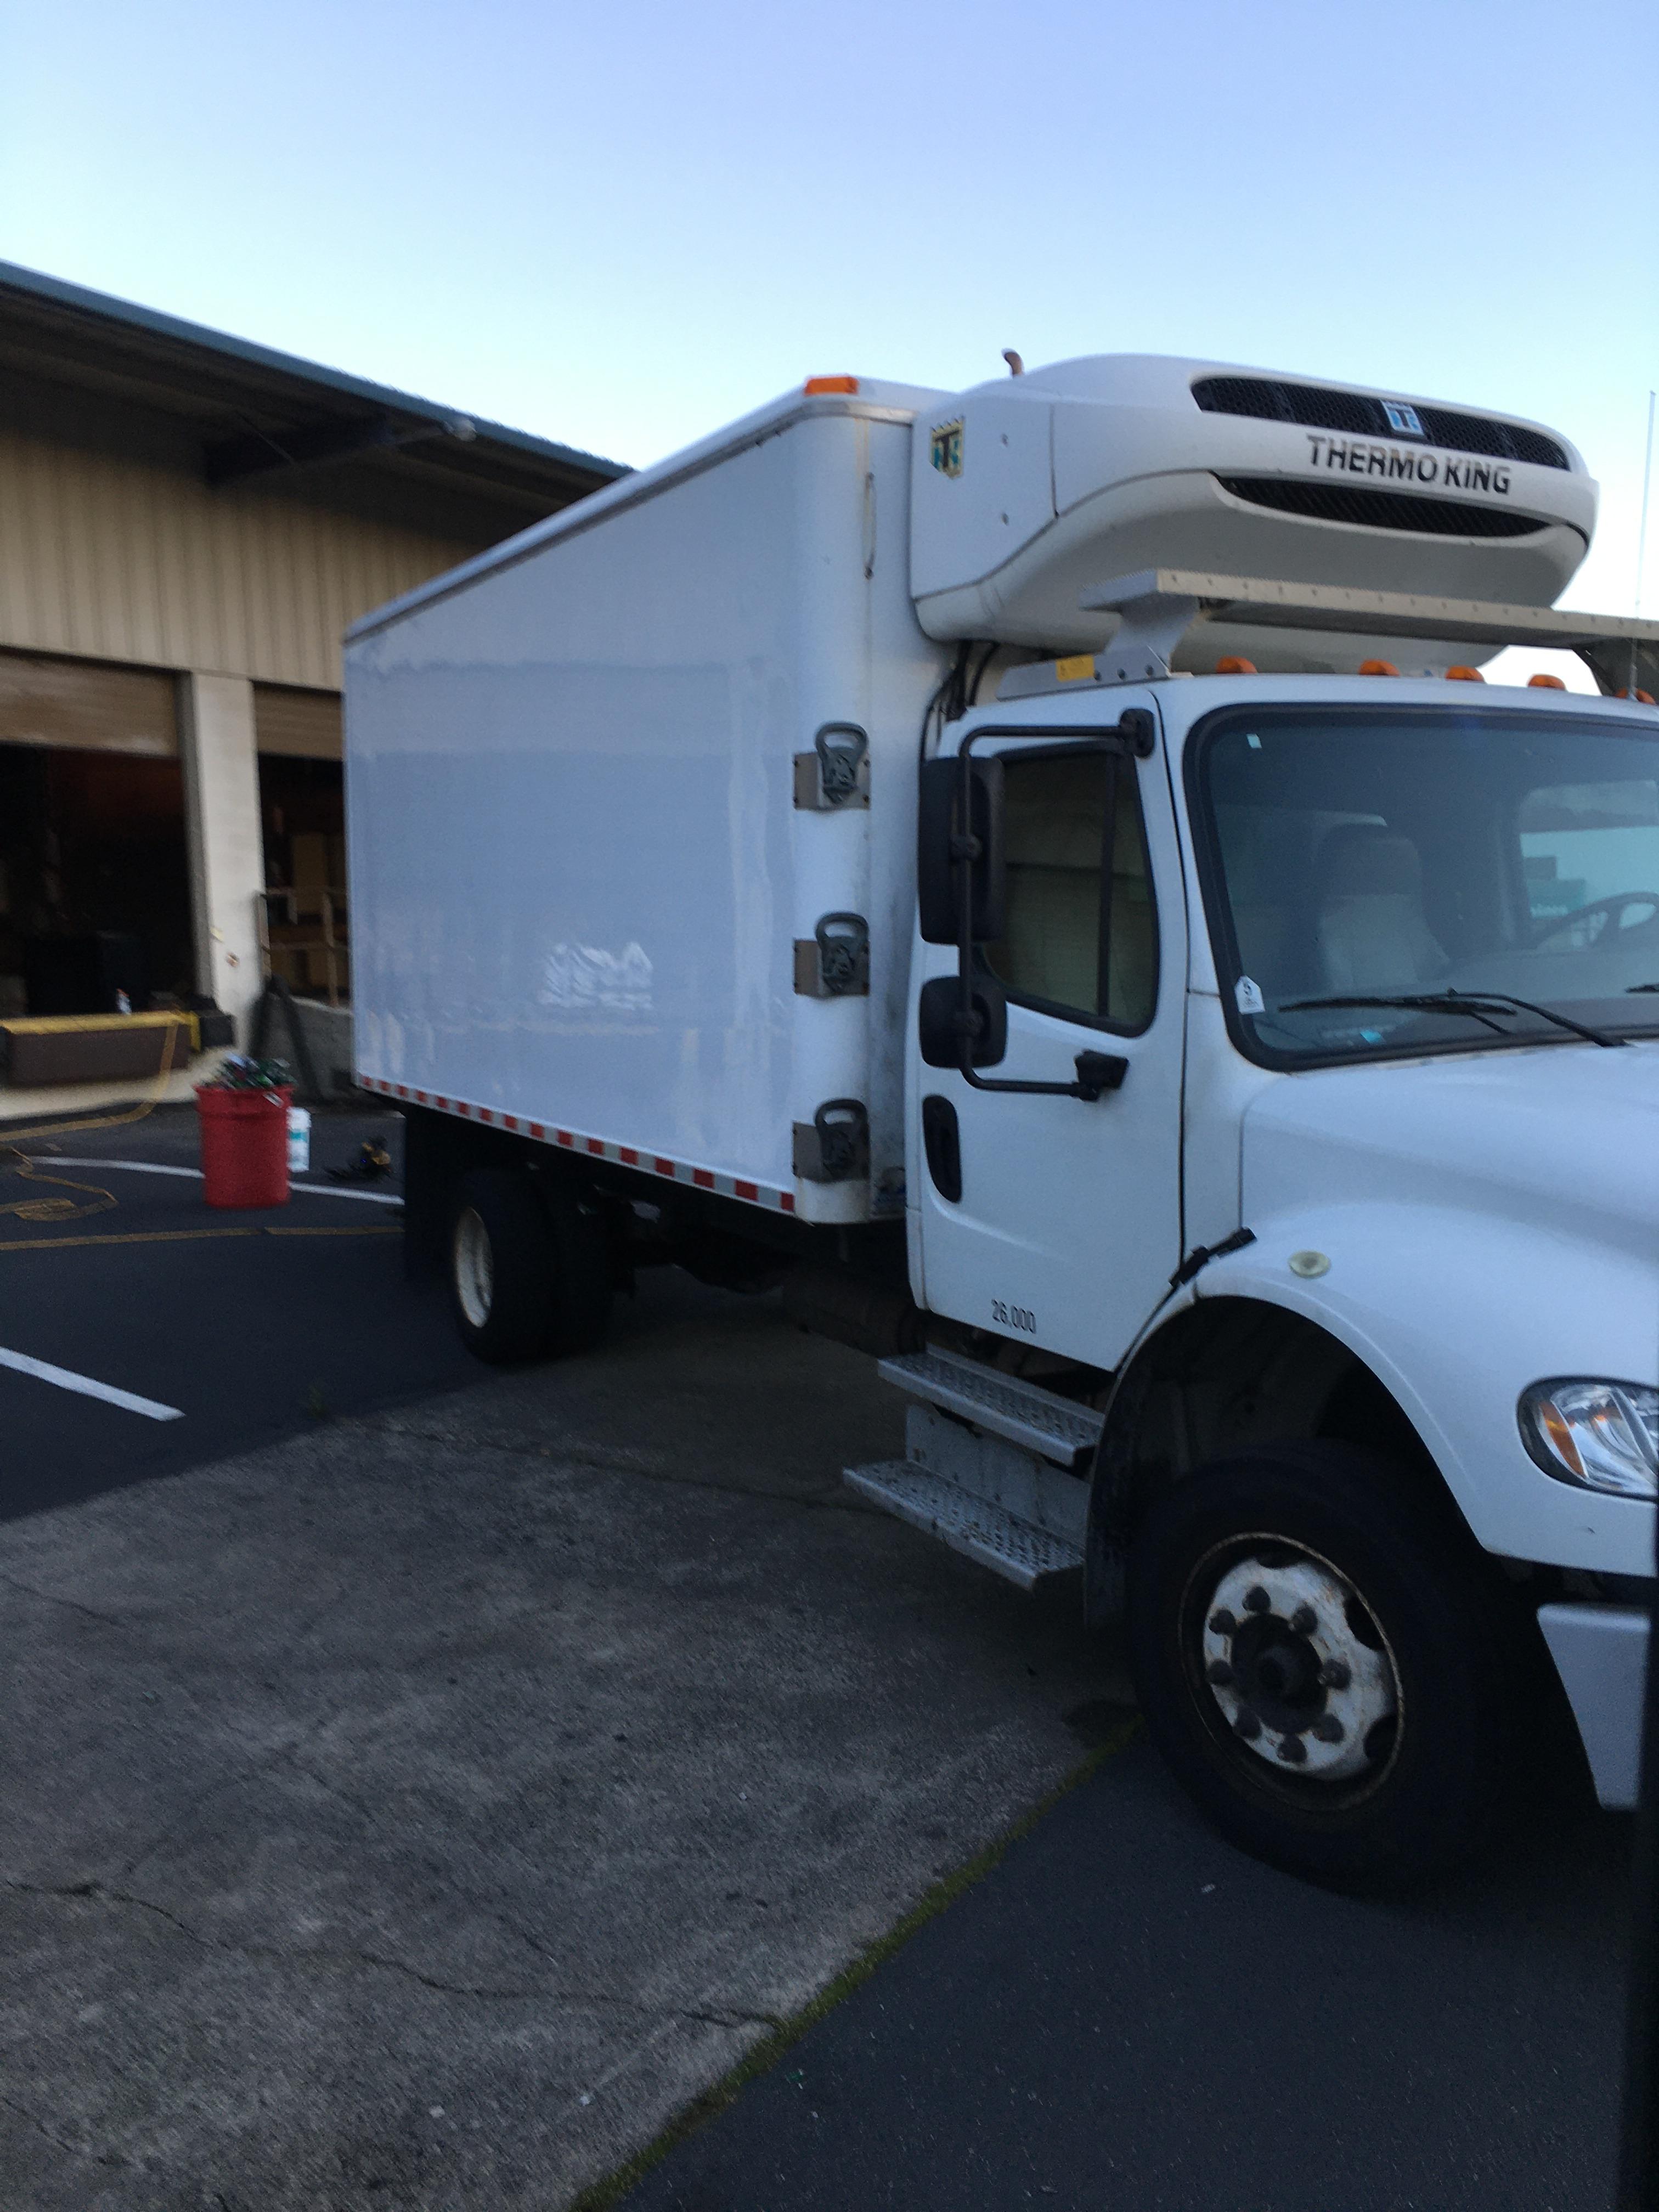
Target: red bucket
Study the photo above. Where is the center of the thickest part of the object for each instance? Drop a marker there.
(244, 1144)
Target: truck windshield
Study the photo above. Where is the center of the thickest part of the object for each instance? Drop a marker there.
(1416, 854)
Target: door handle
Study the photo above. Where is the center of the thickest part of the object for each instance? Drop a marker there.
(1098, 1072)
(942, 1140)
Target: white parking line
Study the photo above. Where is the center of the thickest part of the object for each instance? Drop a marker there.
(154, 1167)
(66, 1379)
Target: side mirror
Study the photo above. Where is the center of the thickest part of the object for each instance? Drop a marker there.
(939, 1016)
(946, 845)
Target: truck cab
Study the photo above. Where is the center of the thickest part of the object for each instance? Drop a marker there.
(1358, 1239)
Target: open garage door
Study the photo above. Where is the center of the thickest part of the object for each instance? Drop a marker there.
(95, 896)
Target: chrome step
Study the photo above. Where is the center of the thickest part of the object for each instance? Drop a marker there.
(1054, 1428)
(1021, 1483)
(979, 1531)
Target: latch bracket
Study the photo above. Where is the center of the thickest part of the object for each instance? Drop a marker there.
(834, 963)
(834, 1147)
(835, 774)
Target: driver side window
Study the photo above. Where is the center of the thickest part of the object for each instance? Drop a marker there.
(1081, 938)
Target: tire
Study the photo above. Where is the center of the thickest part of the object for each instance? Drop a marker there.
(1328, 1664)
(529, 1269)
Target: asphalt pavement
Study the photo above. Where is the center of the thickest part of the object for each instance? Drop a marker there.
(1127, 2015)
(243, 1325)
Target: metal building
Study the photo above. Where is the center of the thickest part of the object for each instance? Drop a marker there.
(187, 523)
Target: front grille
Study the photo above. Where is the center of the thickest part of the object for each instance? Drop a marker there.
(1314, 408)
(1380, 510)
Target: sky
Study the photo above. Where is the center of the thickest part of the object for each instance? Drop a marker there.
(621, 226)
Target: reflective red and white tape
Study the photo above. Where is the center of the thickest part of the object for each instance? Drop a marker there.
(601, 1148)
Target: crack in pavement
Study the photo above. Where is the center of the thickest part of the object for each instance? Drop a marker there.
(261, 1763)
(73, 2150)
(98, 1892)
(70, 1605)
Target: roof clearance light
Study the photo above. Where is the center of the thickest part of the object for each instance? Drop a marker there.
(1234, 664)
(1378, 668)
(1642, 698)
(1545, 684)
(1462, 674)
(818, 385)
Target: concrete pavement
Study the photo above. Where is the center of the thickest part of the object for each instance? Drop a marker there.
(422, 1810)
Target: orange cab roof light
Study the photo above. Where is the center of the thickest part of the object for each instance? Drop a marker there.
(818, 385)
(1462, 674)
(1545, 684)
(1642, 698)
(1378, 668)
(1234, 664)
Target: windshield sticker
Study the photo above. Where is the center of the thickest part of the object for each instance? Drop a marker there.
(1248, 996)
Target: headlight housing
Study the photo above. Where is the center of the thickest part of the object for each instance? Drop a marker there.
(1601, 1436)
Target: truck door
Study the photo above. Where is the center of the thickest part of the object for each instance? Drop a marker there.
(1047, 1218)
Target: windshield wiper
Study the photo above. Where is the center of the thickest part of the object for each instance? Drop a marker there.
(1479, 1005)
(1642, 986)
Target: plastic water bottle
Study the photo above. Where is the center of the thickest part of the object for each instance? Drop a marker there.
(299, 1140)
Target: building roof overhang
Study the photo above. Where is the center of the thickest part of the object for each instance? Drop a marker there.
(257, 412)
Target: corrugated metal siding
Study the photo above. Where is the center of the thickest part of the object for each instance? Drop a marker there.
(126, 560)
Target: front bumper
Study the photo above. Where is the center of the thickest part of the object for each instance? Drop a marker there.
(1601, 1653)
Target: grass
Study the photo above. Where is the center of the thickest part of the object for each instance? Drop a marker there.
(772, 2047)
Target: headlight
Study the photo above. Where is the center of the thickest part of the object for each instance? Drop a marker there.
(1603, 1435)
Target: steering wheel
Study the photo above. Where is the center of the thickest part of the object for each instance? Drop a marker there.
(1609, 910)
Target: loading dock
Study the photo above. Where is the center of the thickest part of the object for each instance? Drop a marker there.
(187, 523)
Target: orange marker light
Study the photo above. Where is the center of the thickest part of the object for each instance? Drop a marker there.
(1545, 684)
(1462, 674)
(1234, 664)
(1642, 698)
(815, 385)
(1378, 668)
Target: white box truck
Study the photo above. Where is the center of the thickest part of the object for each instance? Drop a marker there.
(1037, 872)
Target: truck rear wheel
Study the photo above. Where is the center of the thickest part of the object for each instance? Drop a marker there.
(529, 1270)
(1327, 1665)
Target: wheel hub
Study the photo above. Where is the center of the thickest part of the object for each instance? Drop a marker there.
(1298, 1667)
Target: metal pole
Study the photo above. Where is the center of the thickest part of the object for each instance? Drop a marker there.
(1642, 527)
(1638, 2161)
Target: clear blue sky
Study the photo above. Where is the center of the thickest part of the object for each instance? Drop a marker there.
(621, 225)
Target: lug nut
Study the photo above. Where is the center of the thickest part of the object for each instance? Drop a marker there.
(1257, 1600)
(1304, 1620)
(1329, 1729)
(1219, 1673)
(1336, 1674)
(1292, 1750)
(1221, 1623)
(1247, 1725)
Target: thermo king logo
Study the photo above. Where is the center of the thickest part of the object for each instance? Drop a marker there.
(945, 449)
(1404, 422)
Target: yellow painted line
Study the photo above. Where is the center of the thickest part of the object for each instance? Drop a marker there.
(186, 1237)
(377, 1229)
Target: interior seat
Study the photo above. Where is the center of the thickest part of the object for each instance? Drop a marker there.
(1372, 931)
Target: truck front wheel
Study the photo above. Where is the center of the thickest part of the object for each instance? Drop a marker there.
(529, 1270)
(1327, 1664)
